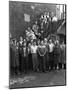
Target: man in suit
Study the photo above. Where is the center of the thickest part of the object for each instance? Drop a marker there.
(47, 53)
(25, 57)
(15, 57)
(20, 53)
(57, 53)
(63, 55)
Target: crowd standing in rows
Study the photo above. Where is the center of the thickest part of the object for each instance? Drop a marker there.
(37, 55)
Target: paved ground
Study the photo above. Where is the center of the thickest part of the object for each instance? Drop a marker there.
(52, 78)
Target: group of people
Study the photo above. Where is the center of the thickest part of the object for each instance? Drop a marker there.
(37, 55)
(35, 52)
(42, 26)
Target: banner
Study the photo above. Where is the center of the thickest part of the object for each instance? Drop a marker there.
(27, 18)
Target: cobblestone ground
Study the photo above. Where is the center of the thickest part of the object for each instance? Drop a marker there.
(38, 79)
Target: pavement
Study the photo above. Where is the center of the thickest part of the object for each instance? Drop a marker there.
(38, 79)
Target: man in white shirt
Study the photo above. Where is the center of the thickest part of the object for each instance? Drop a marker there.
(34, 56)
(42, 49)
(54, 19)
(51, 46)
(51, 56)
